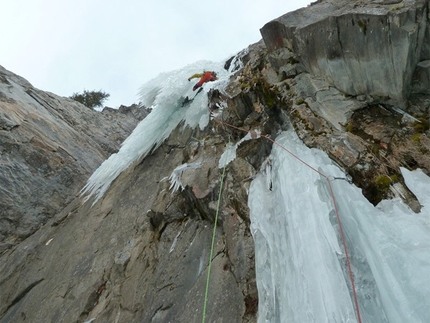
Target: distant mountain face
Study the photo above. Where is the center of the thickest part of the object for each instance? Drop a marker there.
(49, 146)
(337, 73)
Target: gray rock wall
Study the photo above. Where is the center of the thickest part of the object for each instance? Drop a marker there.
(49, 145)
(362, 48)
(141, 253)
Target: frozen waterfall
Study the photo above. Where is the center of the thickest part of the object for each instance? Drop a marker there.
(300, 263)
(165, 96)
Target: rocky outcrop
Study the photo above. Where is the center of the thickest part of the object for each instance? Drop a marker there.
(345, 60)
(361, 47)
(49, 145)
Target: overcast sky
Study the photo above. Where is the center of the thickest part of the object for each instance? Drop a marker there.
(66, 46)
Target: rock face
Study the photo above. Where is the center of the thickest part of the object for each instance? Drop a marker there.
(49, 146)
(126, 266)
(141, 252)
(362, 48)
(339, 57)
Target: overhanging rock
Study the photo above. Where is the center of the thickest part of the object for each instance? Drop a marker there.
(367, 48)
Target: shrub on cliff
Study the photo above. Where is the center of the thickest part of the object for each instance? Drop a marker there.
(91, 99)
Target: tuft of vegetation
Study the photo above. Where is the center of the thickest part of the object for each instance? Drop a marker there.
(91, 99)
(382, 185)
(422, 126)
(363, 27)
(350, 127)
(416, 137)
(397, 6)
(383, 182)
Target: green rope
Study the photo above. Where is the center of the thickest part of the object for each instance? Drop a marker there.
(212, 246)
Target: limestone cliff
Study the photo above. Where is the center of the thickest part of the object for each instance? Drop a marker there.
(49, 145)
(349, 100)
(362, 48)
(141, 253)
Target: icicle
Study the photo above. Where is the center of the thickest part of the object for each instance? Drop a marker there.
(165, 95)
(230, 150)
(175, 177)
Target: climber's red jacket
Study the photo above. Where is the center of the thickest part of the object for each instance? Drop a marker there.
(204, 77)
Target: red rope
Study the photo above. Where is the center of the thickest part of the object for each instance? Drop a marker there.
(348, 263)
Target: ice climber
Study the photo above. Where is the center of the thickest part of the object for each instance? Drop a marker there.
(204, 77)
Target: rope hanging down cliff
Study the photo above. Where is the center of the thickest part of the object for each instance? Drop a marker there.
(212, 245)
(342, 235)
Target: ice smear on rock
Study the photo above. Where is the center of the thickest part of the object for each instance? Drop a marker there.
(230, 150)
(300, 265)
(175, 177)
